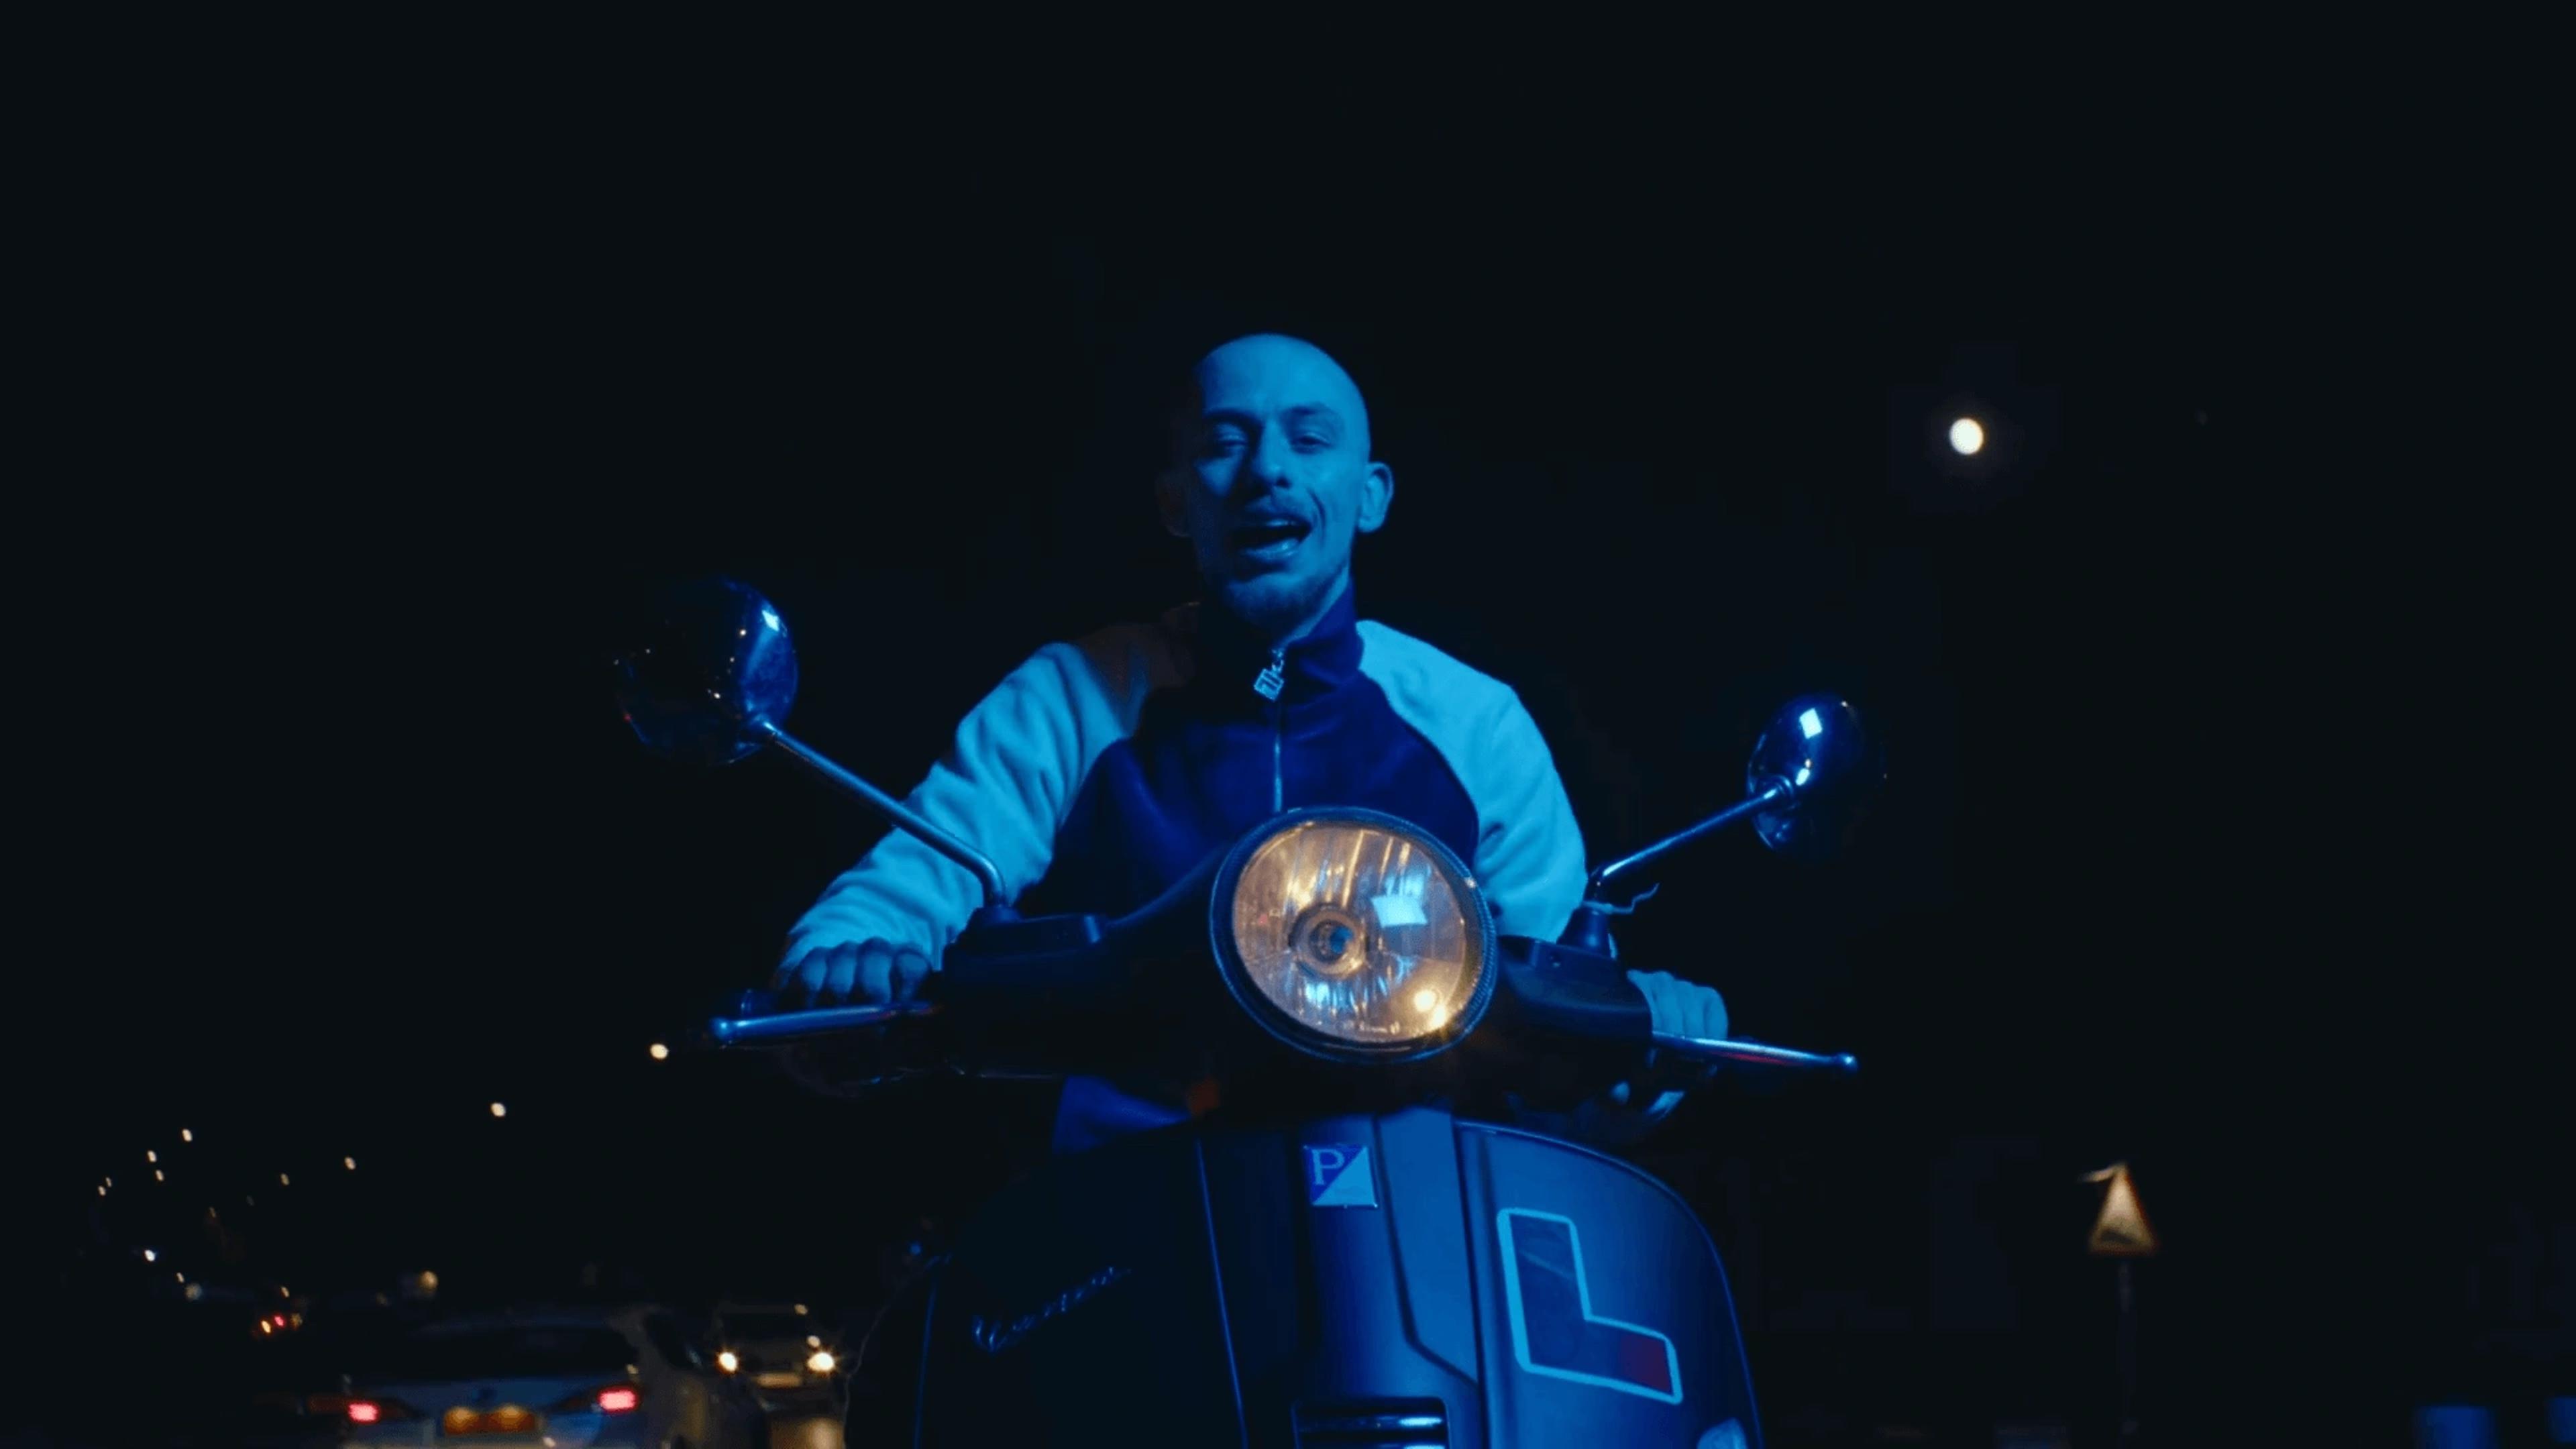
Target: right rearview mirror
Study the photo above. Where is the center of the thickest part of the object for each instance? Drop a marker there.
(1816, 748)
(1812, 775)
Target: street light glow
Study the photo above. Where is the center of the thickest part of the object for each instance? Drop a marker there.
(151, 1156)
(282, 1182)
(500, 1111)
(350, 1163)
(659, 1051)
(187, 1136)
(157, 1176)
(1967, 435)
(151, 1256)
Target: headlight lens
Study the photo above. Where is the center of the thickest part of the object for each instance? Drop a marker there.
(1356, 933)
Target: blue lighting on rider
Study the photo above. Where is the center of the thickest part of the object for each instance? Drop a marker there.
(1803, 775)
(1813, 726)
(770, 617)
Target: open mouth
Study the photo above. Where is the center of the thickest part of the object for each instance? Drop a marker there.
(1267, 539)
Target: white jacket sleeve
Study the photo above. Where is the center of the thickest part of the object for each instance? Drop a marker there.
(1529, 852)
(1003, 787)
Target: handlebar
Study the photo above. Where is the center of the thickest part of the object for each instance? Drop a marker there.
(774, 1028)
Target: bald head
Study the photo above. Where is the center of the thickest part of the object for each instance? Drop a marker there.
(1272, 479)
(1274, 361)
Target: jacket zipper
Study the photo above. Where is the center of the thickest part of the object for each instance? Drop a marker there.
(1274, 679)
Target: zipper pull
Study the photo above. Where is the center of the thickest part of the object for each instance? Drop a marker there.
(1274, 678)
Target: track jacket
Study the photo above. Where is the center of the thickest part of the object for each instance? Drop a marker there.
(1101, 771)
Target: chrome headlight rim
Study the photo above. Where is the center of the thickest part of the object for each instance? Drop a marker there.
(1237, 978)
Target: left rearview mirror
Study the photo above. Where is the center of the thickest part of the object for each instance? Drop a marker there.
(712, 674)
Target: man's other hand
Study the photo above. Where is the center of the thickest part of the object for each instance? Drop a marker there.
(1684, 1008)
(865, 972)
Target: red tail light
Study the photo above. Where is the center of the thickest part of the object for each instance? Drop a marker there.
(362, 1412)
(606, 1399)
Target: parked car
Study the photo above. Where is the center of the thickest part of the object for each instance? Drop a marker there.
(550, 1379)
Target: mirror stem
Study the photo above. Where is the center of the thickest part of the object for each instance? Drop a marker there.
(1590, 928)
(1778, 791)
(894, 811)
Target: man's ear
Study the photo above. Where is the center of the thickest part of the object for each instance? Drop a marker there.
(1169, 498)
(1377, 493)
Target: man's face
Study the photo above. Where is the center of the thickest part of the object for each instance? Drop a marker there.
(1272, 480)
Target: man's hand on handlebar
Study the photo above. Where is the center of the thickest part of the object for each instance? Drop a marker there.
(1684, 1008)
(858, 972)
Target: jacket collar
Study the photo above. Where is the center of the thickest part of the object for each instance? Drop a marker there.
(1231, 660)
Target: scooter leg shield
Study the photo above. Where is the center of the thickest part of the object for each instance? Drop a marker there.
(1408, 1274)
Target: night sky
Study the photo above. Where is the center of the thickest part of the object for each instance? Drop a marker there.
(353, 843)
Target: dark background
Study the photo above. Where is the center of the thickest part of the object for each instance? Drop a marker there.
(374, 438)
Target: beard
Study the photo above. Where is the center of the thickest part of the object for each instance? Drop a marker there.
(1274, 604)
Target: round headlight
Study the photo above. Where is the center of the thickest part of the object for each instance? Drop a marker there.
(1354, 935)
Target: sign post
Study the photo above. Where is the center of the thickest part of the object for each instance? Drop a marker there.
(2120, 1232)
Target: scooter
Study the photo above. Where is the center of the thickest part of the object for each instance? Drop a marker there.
(1349, 1243)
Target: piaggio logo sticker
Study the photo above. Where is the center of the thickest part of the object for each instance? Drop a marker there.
(1338, 1175)
(1555, 1333)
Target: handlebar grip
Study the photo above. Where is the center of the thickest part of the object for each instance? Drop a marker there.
(1719, 1051)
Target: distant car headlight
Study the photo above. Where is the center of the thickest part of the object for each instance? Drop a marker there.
(822, 1362)
(726, 1360)
(1354, 935)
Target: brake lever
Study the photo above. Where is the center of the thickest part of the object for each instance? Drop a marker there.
(1718, 1051)
(757, 1028)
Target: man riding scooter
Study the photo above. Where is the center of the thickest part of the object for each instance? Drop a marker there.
(1101, 771)
(1240, 879)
